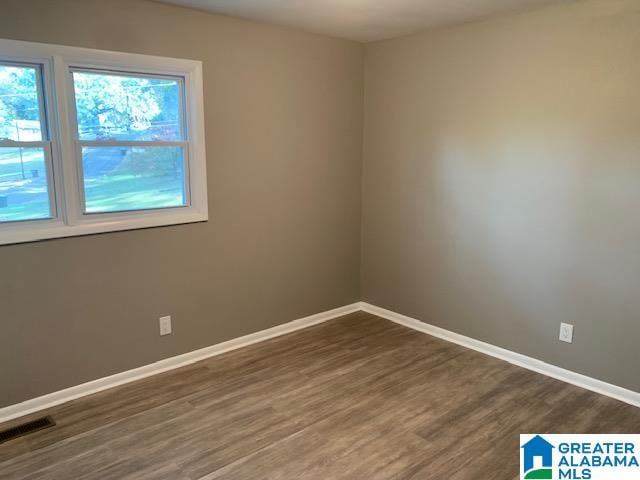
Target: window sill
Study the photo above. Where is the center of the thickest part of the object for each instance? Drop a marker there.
(49, 229)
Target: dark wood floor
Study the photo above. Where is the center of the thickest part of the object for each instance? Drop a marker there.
(355, 398)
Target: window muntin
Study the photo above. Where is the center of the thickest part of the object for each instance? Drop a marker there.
(26, 187)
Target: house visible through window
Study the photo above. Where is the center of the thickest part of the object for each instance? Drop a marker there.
(94, 141)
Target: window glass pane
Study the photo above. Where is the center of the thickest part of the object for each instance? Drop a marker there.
(117, 107)
(19, 104)
(24, 193)
(133, 178)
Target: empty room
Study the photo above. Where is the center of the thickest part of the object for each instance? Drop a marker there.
(319, 240)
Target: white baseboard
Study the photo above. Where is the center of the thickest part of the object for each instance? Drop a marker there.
(95, 386)
(62, 396)
(598, 386)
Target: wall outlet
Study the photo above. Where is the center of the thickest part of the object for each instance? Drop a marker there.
(566, 332)
(165, 325)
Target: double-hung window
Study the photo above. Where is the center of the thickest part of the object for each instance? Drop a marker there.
(26, 191)
(94, 141)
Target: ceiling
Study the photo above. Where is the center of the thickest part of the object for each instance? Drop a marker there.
(362, 20)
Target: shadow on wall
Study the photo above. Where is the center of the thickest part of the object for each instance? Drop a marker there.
(535, 225)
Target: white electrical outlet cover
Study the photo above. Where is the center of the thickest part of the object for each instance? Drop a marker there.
(566, 332)
(165, 325)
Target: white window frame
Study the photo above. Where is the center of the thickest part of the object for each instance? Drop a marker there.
(65, 187)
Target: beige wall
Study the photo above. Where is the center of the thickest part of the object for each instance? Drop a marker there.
(501, 187)
(502, 182)
(284, 125)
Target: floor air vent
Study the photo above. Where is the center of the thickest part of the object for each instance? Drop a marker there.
(26, 429)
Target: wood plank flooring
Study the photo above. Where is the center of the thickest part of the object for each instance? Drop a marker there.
(355, 398)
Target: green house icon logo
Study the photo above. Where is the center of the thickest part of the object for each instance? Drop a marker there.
(537, 448)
